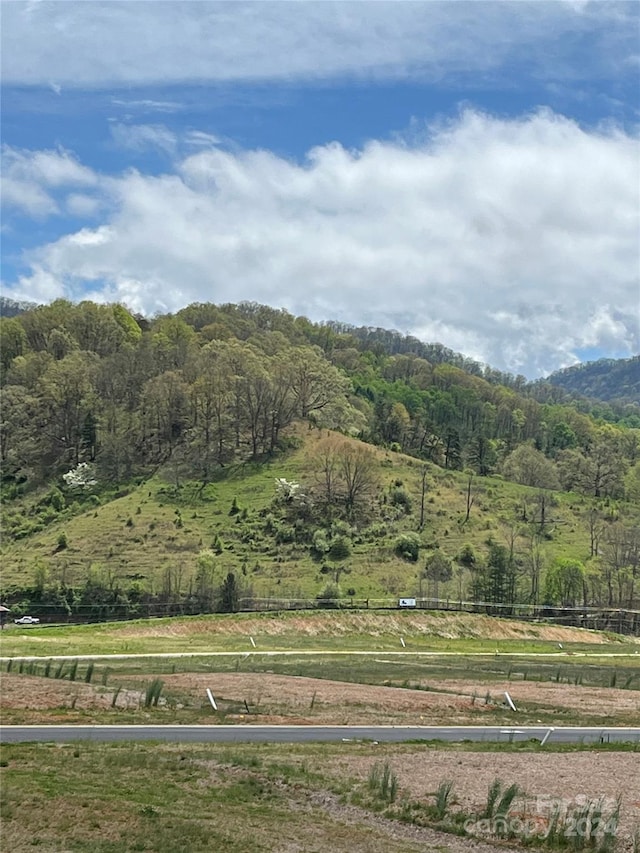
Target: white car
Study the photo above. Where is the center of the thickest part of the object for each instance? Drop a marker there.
(27, 620)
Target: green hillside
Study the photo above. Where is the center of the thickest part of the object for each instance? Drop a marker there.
(607, 379)
(140, 460)
(181, 541)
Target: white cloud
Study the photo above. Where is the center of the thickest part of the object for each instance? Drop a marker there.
(140, 137)
(27, 197)
(29, 177)
(514, 241)
(81, 205)
(148, 105)
(50, 168)
(198, 139)
(80, 44)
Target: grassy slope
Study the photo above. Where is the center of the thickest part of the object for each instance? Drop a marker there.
(303, 631)
(141, 535)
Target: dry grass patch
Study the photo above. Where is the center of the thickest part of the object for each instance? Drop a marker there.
(441, 625)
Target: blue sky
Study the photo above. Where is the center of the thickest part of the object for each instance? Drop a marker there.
(464, 171)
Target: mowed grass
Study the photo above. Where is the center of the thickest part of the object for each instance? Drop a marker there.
(328, 631)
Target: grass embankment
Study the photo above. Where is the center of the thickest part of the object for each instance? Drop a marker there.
(341, 797)
(328, 631)
(158, 529)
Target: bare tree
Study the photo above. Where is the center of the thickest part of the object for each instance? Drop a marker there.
(347, 473)
(423, 492)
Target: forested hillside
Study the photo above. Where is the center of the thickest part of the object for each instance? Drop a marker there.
(114, 417)
(607, 379)
(11, 308)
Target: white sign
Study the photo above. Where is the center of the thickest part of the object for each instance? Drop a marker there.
(407, 602)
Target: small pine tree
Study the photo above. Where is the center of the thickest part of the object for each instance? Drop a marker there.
(229, 594)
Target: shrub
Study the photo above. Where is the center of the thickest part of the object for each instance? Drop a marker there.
(340, 549)
(467, 556)
(443, 798)
(62, 541)
(152, 693)
(401, 498)
(327, 596)
(383, 782)
(56, 499)
(285, 534)
(407, 546)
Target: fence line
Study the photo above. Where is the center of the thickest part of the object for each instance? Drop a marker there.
(619, 620)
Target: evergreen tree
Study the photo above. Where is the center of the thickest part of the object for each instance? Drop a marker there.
(229, 594)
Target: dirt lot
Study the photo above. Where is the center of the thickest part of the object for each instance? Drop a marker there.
(341, 702)
(544, 777)
(599, 701)
(280, 698)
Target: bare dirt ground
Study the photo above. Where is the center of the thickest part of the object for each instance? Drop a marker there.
(275, 698)
(342, 702)
(544, 777)
(35, 693)
(599, 701)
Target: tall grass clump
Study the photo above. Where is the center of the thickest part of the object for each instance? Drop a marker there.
(610, 830)
(383, 782)
(443, 798)
(152, 693)
(492, 797)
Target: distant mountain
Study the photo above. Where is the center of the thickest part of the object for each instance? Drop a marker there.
(11, 308)
(608, 379)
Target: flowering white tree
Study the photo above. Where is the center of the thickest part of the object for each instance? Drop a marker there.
(287, 490)
(81, 477)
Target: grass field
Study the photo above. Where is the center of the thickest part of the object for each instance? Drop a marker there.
(280, 799)
(436, 631)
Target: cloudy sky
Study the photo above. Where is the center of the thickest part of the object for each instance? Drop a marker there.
(467, 171)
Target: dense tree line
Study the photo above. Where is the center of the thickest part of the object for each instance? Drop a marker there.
(606, 379)
(95, 383)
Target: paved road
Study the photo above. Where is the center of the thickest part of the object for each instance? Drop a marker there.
(304, 734)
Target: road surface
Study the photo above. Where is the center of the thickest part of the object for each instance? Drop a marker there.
(306, 734)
